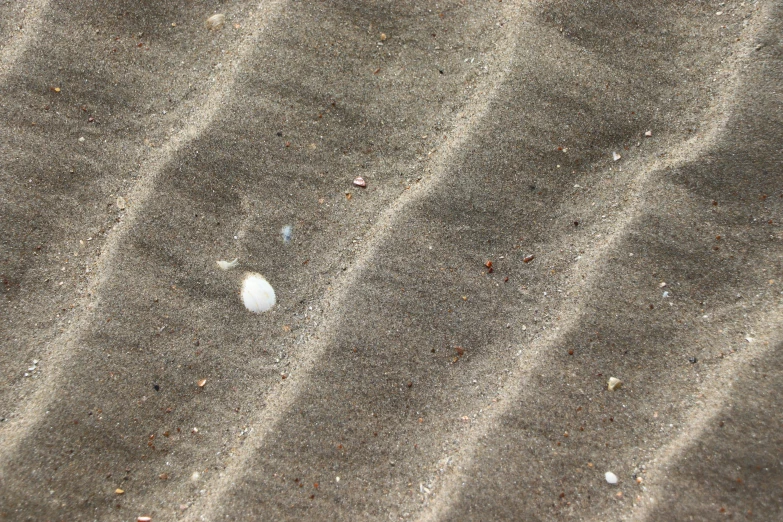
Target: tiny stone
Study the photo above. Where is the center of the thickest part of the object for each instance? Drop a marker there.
(648, 134)
(383, 37)
(121, 203)
(287, 232)
(215, 22)
(615, 156)
(614, 384)
(359, 182)
(611, 478)
(81, 139)
(118, 491)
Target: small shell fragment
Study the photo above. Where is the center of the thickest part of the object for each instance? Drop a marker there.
(228, 265)
(615, 156)
(121, 203)
(614, 384)
(119, 491)
(201, 383)
(215, 22)
(611, 478)
(359, 182)
(648, 134)
(528, 259)
(287, 232)
(143, 519)
(257, 294)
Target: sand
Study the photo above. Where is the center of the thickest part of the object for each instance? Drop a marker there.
(443, 337)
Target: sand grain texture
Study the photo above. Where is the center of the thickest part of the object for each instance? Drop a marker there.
(398, 377)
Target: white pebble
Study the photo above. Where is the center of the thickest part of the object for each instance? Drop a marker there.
(611, 478)
(257, 294)
(616, 156)
(614, 383)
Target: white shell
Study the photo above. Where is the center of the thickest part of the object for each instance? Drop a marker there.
(215, 22)
(616, 156)
(614, 383)
(227, 265)
(257, 294)
(359, 182)
(611, 478)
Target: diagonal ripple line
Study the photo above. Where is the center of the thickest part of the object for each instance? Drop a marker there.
(719, 391)
(13, 433)
(279, 402)
(14, 48)
(716, 117)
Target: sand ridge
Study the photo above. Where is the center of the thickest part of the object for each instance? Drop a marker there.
(646, 167)
(442, 338)
(144, 189)
(386, 223)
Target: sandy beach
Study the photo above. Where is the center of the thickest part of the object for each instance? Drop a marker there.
(557, 194)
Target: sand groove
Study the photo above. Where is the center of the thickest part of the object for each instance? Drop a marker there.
(599, 260)
(18, 40)
(34, 411)
(385, 225)
(442, 338)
